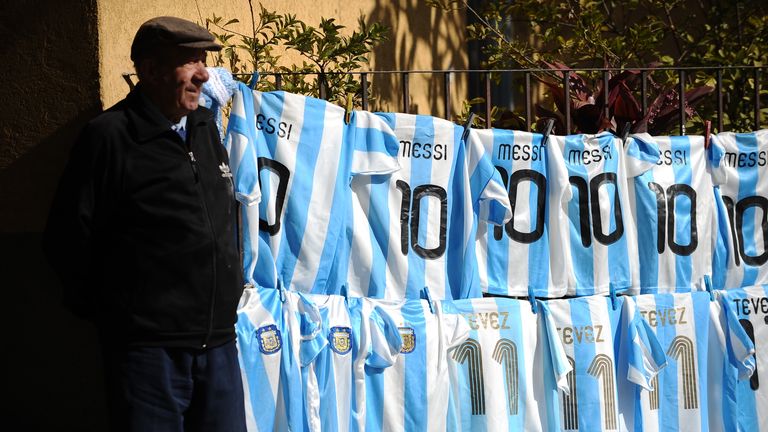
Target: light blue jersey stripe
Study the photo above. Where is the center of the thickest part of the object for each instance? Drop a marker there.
(668, 400)
(748, 180)
(538, 251)
(255, 374)
(702, 318)
(685, 217)
(415, 391)
(374, 400)
(379, 232)
(326, 377)
(462, 287)
(647, 228)
(721, 256)
(618, 256)
(578, 210)
(497, 240)
(588, 388)
(301, 191)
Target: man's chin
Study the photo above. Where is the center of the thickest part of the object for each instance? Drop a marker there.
(190, 106)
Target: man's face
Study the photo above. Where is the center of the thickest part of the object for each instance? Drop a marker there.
(177, 79)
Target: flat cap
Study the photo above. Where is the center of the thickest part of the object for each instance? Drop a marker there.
(170, 31)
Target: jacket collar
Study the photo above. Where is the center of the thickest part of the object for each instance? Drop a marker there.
(148, 122)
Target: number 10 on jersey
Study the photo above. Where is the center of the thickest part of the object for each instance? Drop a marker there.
(410, 218)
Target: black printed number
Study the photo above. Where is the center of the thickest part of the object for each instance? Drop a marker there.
(283, 175)
(754, 381)
(589, 205)
(601, 368)
(736, 221)
(535, 178)
(410, 220)
(505, 354)
(665, 208)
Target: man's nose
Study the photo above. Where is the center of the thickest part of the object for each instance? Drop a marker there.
(201, 73)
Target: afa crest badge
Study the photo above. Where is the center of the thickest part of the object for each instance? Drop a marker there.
(270, 340)
(409, 339)
(340, 339)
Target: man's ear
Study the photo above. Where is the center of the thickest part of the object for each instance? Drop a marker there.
(147, 70)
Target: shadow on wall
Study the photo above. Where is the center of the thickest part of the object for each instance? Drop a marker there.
(54, 370)
(424, 27)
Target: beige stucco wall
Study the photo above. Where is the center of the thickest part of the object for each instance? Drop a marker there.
(421, 37)
(50, 85)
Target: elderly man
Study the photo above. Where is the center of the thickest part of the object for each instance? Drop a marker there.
(142, 233)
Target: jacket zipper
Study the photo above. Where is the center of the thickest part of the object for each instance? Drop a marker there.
(193, 162)
(214, 260)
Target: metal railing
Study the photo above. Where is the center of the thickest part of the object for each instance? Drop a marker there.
(447, 77)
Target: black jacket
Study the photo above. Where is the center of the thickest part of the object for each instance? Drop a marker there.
(142, 230)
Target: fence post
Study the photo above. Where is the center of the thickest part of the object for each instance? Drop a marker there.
(681, 77)
(488, 120)
(364, 89)
(321, 84)
(757, 98)
(606, 91)
(406, 97)
(567, 102)
(644, 91)
(447, 89)
(719, 99)
(528, 101)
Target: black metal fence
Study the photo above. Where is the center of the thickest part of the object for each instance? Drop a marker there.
(447, 78)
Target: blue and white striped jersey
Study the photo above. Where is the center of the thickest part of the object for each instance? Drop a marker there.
(505, 375)
(412, 395)
(278, 333)
(358, 337)
(743, 245)
(512, 258)
(416, 227)
(676, 211)
(750, 305)
(707, 352)
(611, 351)
(598, 245)
(301, 155)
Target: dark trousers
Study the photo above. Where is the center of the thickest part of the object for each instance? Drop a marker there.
(152, 389)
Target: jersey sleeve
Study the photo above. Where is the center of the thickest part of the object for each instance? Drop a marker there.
(715, 155)
(646, 357)
(558, 359)
(385, 340)
(456, 329)
(310, 327)
(721, 141)
(642, 154)
(487, 187)
(240, 142)
(740, 348)
(721, 255)
(375, 145)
